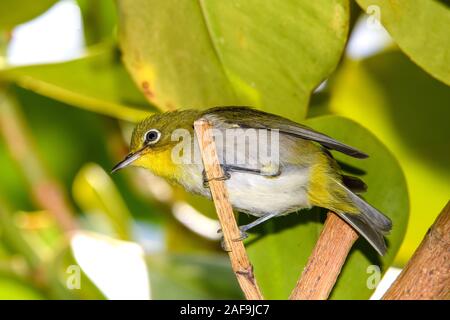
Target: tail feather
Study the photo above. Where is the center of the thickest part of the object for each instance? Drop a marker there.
(369, 222)
(353, 183)
(373, 236)
(372, 215)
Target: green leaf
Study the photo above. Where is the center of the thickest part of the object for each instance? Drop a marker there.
(408, 110)
(103, 258)
(14, 12)
(280, 249)
(420, 28)
(96, 194)
(99, 19)
(262, 53)
(65, 272)
(97, 82)
(192, 277)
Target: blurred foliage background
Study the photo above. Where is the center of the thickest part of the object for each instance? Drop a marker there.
(70, 230)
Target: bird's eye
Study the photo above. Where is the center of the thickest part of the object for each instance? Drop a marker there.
(152, 136)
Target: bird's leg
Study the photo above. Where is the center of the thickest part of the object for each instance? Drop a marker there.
(226, 176)
(224, 245)
(232, 168)
(253, 224)
(243, 229)
(205, 179)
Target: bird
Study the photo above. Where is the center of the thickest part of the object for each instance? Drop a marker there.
(301, 175)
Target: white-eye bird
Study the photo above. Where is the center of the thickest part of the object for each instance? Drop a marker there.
(304, 175)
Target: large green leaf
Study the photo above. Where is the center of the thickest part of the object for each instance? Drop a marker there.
(198, 53)
(97, 82)
(14, 12)
(421, 29)
(409, 111)
(280, 249)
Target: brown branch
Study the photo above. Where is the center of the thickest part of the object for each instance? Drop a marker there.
(238, 256)
(326, 260)
(427, 274)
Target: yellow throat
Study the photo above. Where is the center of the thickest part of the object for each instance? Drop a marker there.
(160, 162)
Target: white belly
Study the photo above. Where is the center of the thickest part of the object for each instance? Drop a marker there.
(259, 195)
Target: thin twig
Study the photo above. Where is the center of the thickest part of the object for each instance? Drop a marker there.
(326, 260)
(427, 274)
(238, 256)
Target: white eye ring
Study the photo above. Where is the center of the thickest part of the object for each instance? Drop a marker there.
(152, 136)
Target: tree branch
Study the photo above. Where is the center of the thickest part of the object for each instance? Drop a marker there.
(239, 260)
(427, 274)
(326, 260)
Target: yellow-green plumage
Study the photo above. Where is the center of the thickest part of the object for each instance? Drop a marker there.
(307, 176)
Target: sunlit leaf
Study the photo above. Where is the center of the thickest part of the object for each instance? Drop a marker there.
(96, 194)
(116, 267)
(97, 82)
(14, 12)
(280, 248)
(420, 28)
(262, 53)
(409, 111)
(73, 279)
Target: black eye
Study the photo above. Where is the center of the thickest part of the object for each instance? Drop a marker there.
(152, 136)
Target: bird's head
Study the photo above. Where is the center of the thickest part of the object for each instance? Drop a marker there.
(152, 140)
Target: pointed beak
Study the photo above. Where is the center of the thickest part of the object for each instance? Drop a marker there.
(127, 161)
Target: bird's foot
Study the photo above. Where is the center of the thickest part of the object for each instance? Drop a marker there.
(226, 176)
(224, 245)
(242, 236)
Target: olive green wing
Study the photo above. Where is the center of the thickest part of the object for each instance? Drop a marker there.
(244, 117)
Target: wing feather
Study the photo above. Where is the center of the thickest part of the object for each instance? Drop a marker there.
(246, 117)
